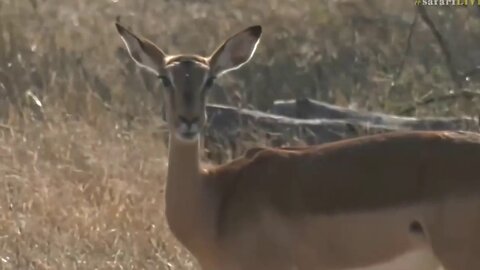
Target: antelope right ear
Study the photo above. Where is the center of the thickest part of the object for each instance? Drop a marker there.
(145, 54)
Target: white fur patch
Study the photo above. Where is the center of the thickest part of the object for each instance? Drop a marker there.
(420, 259)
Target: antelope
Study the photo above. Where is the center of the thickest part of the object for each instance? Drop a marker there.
(405, 200)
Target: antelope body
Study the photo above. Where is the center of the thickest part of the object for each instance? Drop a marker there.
(399, 201)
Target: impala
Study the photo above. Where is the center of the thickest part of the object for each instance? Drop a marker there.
(403, 200)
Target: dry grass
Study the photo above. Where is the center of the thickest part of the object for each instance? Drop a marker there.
(75, 197)
(82, 177)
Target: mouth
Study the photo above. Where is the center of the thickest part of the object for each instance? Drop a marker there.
(188, 135)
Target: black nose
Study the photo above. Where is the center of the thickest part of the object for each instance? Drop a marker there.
(189, 121)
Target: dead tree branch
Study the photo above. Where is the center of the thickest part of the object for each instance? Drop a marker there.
(443, 46)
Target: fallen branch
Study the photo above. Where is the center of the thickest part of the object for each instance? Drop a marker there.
(230, 121)
(311, 109)
(231, 131)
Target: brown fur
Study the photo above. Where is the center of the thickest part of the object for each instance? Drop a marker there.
(365, 180)
(395, 169)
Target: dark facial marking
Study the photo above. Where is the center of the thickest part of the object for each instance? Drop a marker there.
(165, 81)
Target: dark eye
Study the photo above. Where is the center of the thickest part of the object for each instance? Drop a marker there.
(166, 82)
(209, 82)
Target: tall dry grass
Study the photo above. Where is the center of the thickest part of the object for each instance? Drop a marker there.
(82, 176)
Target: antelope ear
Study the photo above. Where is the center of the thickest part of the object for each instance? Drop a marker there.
(235, 51)
(145, 54)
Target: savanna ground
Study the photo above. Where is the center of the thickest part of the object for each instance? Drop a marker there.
(82, 175)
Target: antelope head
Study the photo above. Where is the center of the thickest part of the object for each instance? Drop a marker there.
(187, 77)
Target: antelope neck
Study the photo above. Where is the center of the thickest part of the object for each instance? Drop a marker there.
(190, 203)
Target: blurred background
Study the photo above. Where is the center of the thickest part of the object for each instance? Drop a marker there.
(82, 152)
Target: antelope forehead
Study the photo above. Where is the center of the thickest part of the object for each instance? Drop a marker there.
(190, 73)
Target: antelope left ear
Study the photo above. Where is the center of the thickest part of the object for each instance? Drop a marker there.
(235, 51)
